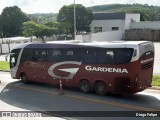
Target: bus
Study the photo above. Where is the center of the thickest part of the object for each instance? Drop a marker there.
(124, 67)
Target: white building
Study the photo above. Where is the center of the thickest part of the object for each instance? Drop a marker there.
(104, 22)
(109, 26)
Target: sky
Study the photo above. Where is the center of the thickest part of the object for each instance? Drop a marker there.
(53, 6)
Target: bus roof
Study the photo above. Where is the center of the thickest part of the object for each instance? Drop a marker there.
(116, 44)
(113, 44)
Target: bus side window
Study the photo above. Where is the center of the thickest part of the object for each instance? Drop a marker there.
(26, 55)
(39, 55)
(70, 52)
(54, 55)
(67, 55)
(105, 56)
(42, 55)
(123, 55)
(77, 54)
(89, 56)
(109, 57)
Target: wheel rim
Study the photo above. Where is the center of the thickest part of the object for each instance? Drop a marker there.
(23, 78)
(100, 89)
(85, 86)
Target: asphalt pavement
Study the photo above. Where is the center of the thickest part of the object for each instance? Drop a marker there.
(16, 96)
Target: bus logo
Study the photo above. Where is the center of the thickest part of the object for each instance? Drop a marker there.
(104, 69)
(71, 71)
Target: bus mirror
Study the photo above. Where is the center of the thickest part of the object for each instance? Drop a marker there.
(134, 53)
(13, 61)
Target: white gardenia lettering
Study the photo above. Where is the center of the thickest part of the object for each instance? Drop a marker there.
(104, 69)
(147, 60)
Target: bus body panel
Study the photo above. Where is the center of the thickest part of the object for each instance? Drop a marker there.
(38, 72)
(129, 77)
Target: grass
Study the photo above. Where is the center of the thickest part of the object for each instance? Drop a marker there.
(5, 67)
(156, 80)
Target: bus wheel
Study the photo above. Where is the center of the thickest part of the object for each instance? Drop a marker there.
(100, 88)
(23, 78)
(85, 86)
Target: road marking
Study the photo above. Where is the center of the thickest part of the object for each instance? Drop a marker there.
(106, 102)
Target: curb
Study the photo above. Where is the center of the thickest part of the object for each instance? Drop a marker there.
(154, 88)
(4, 71)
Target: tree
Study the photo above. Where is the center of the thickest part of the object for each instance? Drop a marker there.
(62, 28)
(31, 28)
(83, 17)
(12, 19)
(1, 28)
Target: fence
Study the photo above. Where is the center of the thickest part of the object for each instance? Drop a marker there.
(6, 48)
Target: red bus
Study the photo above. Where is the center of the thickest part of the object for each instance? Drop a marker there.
(114, 67)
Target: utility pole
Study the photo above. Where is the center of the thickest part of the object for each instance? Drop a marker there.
(74, 20)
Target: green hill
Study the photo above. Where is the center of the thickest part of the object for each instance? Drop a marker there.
(43, 17)
(148, 13)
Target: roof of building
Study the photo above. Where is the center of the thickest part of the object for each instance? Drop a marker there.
(109, 16)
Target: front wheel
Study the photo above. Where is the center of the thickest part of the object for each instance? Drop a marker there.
(85, 86)
(23, 78)
(100, 88)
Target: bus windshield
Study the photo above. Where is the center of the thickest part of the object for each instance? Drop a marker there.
(14, 57)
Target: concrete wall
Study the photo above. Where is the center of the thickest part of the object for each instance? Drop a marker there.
(149, 35)
(102, 36)
(146, 25)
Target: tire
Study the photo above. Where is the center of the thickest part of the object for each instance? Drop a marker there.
(100, 88)
(23, 78)
(85, 86)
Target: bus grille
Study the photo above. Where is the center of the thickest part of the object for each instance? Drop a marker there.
(147, 66)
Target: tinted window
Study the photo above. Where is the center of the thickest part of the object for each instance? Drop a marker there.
(107, 56)
(34, 55)
(26, 55)
(86, 55)
(39, 55)
(54, 55)
(89, 56)
(123, 55)
(73, 54)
